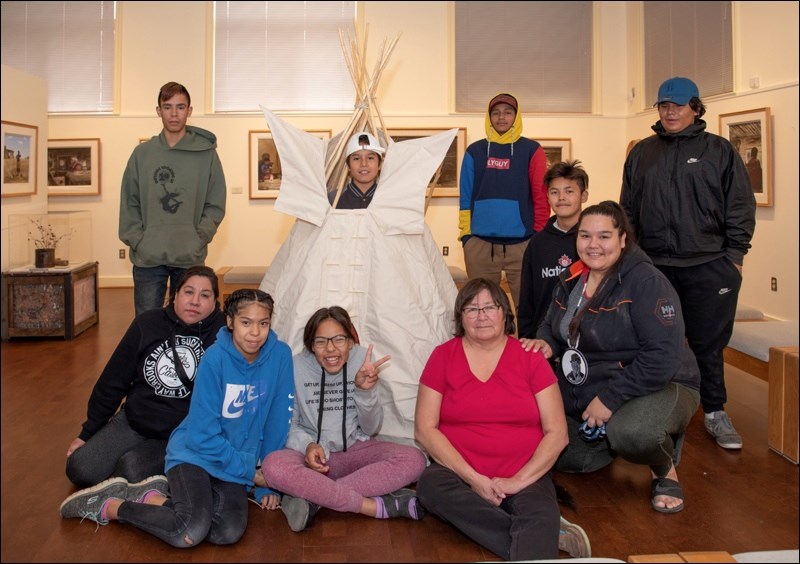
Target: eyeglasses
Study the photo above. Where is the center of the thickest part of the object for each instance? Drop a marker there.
(473, 312)
(321, 343)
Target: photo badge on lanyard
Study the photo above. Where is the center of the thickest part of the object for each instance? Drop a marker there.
(574, 365)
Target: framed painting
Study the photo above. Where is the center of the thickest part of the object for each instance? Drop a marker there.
(450, 171)
(73, 167)
(20, 142)
(750, 134)
(556, 149)
(265, 163)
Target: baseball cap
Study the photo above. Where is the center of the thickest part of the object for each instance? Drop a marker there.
(363, 141)
(503, 99)
(677, 90)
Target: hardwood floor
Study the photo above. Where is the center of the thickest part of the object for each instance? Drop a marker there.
(736, 501)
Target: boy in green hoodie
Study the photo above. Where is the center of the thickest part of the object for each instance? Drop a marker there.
(172, 200)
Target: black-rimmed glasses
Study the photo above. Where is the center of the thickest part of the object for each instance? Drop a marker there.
(473, 312)
(321, 343)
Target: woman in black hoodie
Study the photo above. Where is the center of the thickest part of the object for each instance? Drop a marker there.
(637, 384)
(129, 438)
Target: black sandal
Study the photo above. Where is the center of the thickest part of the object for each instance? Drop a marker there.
(668, 487)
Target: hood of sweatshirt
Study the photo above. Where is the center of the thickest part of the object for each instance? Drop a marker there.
(196, 139)
(514, 132)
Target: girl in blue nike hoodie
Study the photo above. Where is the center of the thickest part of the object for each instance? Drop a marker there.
(240, 412)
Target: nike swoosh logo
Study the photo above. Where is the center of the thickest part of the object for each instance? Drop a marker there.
(724, 291)
(235, 407)
(693, 160)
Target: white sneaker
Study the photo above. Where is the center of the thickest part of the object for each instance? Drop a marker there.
(572, 539)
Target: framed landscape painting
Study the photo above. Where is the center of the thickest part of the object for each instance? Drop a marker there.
(750, 134)
(265, 163)
(20, 142)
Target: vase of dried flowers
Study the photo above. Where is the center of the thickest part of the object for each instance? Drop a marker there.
(46, 241)
(45, 258)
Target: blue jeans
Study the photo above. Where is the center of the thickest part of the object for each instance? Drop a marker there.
(150, 286)
(116, 450)
(200, 507)
(524, 527)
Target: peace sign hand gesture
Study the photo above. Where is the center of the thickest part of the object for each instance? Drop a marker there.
(367, 375)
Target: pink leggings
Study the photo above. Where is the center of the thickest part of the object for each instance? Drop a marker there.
(368, 468)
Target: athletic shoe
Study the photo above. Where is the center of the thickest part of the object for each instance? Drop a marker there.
(403, 503)
(299, 512)
(572, 539)
(720, 427)
(139, 491)
(88, 503)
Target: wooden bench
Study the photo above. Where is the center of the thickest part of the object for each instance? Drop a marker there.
(783, 432)
(234, 277)
(750, 343)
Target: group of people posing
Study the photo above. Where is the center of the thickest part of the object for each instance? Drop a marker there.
(613, 351)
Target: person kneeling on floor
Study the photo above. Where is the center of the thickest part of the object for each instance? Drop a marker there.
(629, 381)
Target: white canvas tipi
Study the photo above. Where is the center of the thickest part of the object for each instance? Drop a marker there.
(381, 263)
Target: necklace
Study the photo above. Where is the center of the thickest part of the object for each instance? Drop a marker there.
(574, 366)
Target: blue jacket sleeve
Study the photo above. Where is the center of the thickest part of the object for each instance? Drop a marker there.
(276, 425)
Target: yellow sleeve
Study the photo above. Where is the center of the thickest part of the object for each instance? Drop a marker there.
(464, 223)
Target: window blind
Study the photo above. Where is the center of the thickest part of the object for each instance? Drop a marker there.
(283, 55)
(691, 39)
(541, 52)
(70, 45)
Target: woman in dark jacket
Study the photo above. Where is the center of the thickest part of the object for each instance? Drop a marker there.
(617, 318)
(129, 439)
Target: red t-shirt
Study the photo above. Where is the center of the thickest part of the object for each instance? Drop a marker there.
(495, 425)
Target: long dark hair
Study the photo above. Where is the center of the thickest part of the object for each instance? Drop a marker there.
(472, 289)
(619, 220)
(336, 313)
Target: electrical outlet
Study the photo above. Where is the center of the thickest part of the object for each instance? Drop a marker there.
(122, 253)
(445, 251)
(773, 284)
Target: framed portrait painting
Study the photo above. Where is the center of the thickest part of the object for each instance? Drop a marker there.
(449, 172)
(750, 134)
(73, 167)
(265, 163)
(556, 149)
(20, 142)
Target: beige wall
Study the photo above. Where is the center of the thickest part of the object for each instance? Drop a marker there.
(416, 91)
(24, 100)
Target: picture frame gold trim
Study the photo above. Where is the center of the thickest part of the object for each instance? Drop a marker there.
(450, 171)
(19, 176)
(73, 167)
(260, 142)
(750, 133)
(556, 149)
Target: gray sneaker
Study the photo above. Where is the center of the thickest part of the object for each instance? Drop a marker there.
(720, 427)
(299, 512)
(404, 503)
(88, 503)
(572, 539)
(137, 491)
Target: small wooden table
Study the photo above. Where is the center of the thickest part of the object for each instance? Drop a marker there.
(49, 302)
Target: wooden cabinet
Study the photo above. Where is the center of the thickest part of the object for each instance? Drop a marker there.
(52, 302)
